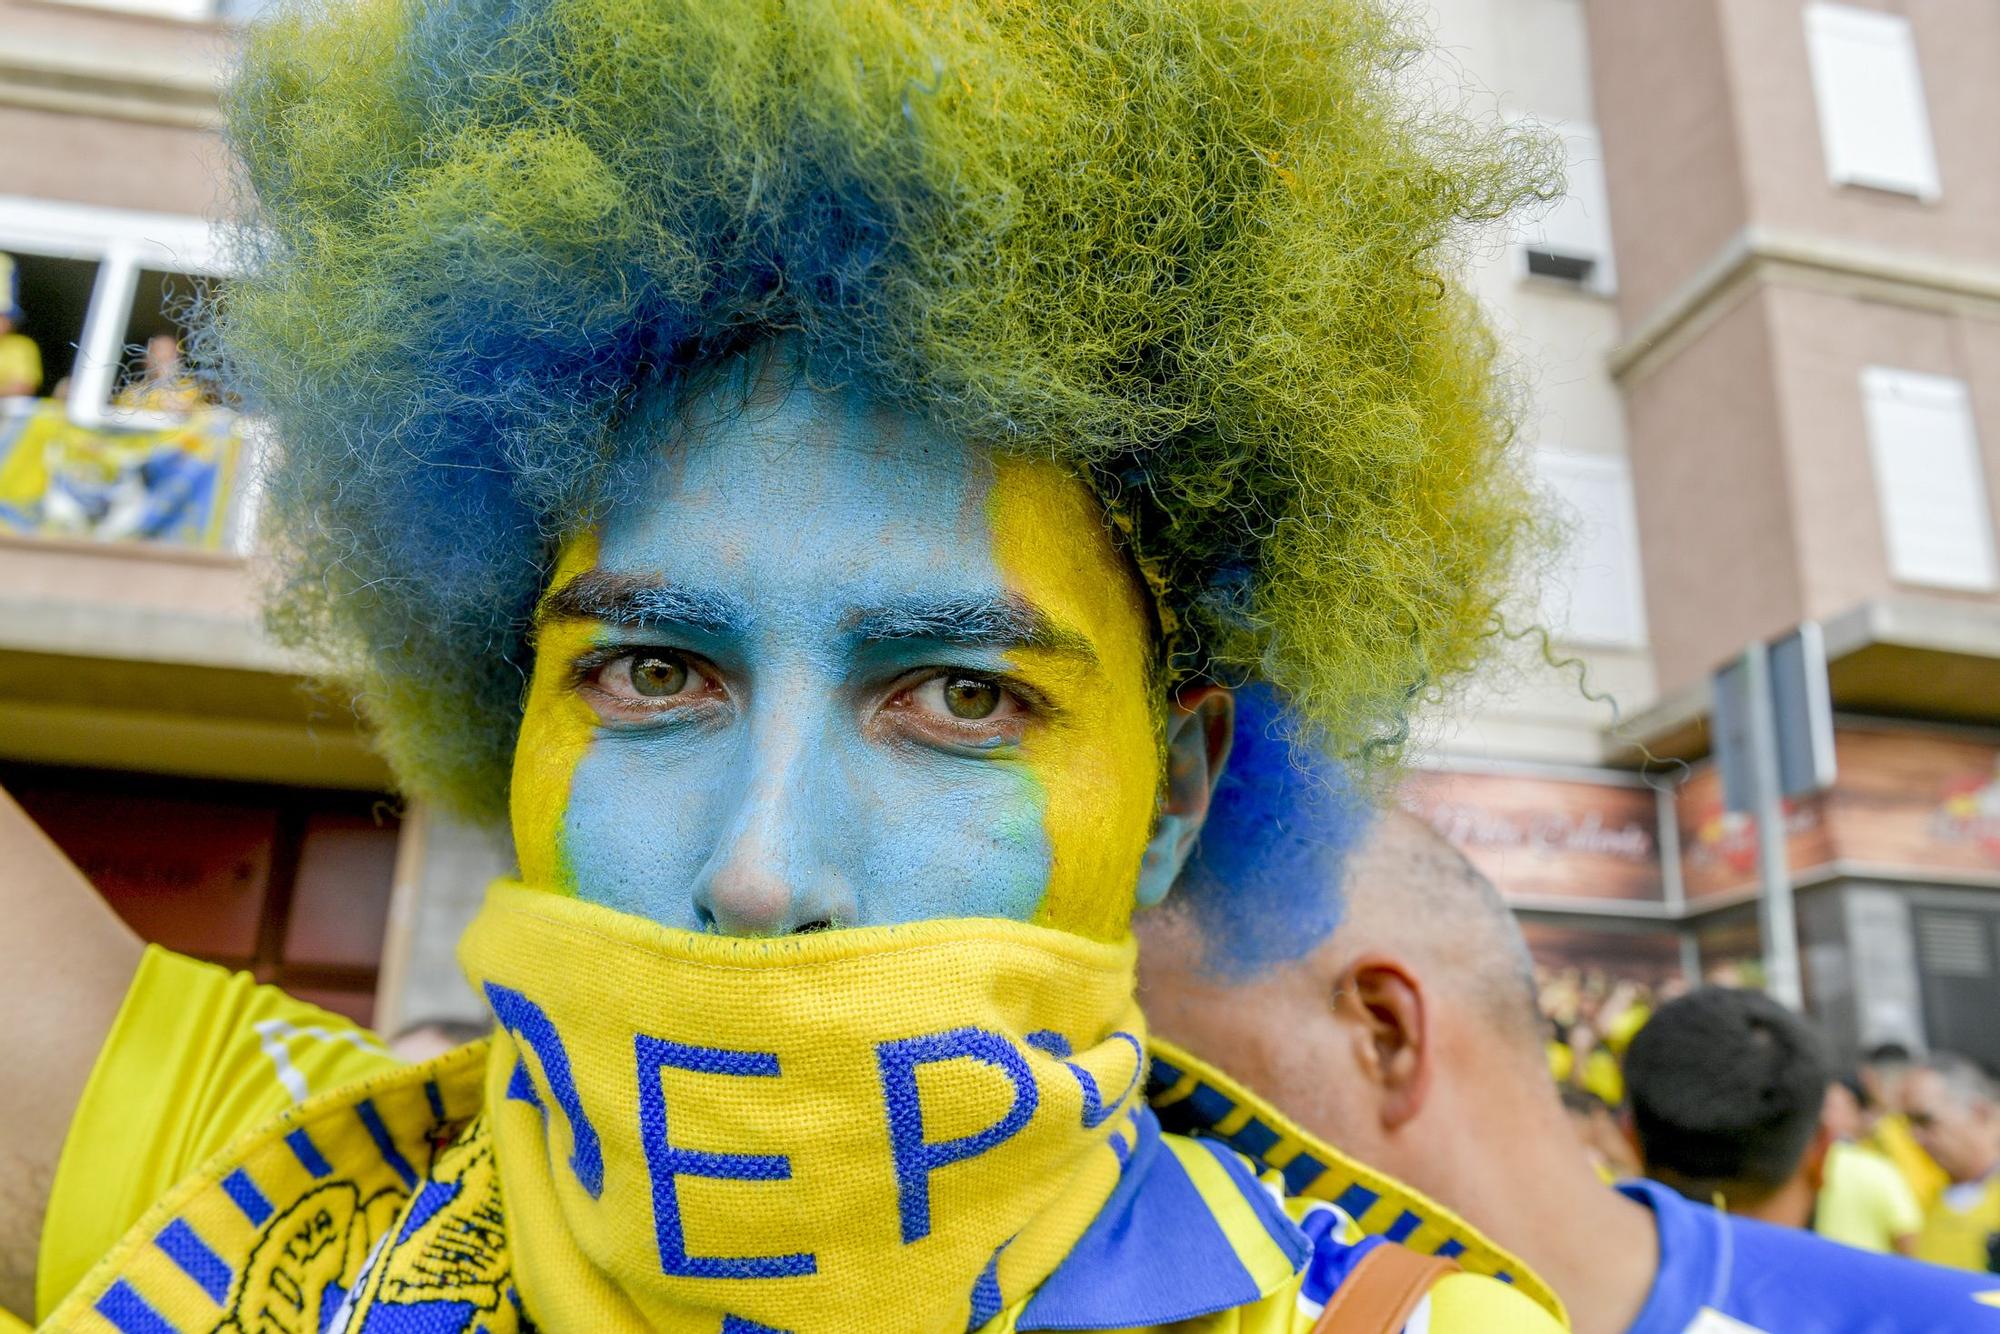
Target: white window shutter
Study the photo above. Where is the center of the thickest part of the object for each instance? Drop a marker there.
(1936, 516)
(1873, 121)
(1596, 595)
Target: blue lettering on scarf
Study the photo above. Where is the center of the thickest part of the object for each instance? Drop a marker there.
(1095, 1110)
(665, 1161)
(525, 1020)
(916, 1158)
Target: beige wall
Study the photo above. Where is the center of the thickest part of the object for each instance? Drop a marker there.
(110, 163)
(109, 108)
(1671, 156)
(1715, 520)
(1711, 127)
(1822, 341)
(1958, 43)
(131, 656)
(1754, 291)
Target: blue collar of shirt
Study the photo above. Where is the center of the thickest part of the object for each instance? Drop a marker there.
(1783, 1278)
(1695, 1256)
(1156, 1254)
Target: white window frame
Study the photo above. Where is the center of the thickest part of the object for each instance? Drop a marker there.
(1980, 571)
(184, 11)
(1551, 467)
(123, 243)
(1579, 224)
(1833, 32)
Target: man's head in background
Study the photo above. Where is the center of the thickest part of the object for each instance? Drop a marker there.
(1884, 1067)
(1954, 1112)
(1847, 1112)
(1725, 1090)
(1391, 961)
(1361, 974)
(163, 356)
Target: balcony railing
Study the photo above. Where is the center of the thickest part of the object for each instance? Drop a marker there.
(164, 476)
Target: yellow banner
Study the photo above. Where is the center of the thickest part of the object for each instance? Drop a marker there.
(60, 479)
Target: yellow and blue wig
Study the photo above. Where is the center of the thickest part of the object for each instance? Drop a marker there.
(1201, 251)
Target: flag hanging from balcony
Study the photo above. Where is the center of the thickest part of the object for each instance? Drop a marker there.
(175, 484)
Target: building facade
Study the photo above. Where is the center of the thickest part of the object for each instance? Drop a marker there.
(223, 806)
(1761, 339)
(1809, 357)
(1802, 330)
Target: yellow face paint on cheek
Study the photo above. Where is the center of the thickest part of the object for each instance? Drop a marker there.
(1098, 763)
(556, 729)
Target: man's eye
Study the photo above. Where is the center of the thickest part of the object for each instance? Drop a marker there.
(656, 676)
(970, 699)
(647, 675)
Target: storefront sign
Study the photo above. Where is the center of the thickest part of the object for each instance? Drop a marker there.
(1908, 803)
(1543, 838)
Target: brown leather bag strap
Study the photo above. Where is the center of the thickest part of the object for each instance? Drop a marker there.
(1381, 1290)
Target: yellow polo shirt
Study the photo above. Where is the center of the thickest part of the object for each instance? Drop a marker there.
(1957, 1227)
(1864, 1201)
(20, 362)
(1893, 1139)
(197, 1056)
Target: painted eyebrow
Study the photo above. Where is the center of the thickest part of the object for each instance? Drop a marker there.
(1000, 622)
(628, 600)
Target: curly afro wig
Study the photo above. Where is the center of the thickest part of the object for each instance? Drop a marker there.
(1200, 251)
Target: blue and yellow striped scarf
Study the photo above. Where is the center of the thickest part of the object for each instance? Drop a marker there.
(931, 1127)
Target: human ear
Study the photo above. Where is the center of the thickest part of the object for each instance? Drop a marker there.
(1395, 1042)
(1200, 722)
(1814, 1162)
(1628, 1130)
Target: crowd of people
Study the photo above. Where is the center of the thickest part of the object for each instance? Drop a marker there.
(1591, 1018)
(1891, 1154)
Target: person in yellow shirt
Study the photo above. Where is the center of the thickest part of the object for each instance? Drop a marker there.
(1863, 1200)
(20, 358)
(1954, 1112)
(1885, 1068)
(163, 384)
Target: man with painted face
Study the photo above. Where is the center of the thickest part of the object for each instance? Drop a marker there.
(818, 470)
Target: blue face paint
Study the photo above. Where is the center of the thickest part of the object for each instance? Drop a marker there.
(1264, 883)
(803, 539)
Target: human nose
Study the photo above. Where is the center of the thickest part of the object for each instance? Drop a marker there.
(769, 876)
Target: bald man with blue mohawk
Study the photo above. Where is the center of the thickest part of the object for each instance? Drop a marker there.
(1407, 1034)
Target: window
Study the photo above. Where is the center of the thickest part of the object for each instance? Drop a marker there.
(51, 296)
(187, 11)
(116, 441)
(1936, 517)
(1595, 595)
(1873, 123)
(1571, 243)
(102, 281)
